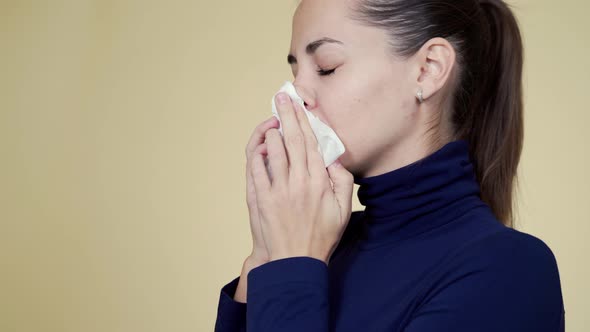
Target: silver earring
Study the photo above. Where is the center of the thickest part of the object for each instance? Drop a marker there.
(419, 95)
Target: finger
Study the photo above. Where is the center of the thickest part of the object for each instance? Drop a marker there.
(293, 137)
(343, 187)
(315, 160)
(262, 149)
(258, 136)
(260, 177)
(277, 156)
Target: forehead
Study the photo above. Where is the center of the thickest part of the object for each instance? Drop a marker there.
(314, 19)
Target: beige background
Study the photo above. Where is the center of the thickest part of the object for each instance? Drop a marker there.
(122, 132)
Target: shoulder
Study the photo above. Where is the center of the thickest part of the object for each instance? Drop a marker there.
(510, 248)
(505, 281)
(509, 257)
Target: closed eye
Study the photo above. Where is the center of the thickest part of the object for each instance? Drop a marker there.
(326, 72)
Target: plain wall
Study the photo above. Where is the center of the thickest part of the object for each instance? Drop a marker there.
(123, 125)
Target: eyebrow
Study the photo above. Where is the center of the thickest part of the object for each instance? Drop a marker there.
(312, 47)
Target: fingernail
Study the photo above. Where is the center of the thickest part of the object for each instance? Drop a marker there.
(282, 98)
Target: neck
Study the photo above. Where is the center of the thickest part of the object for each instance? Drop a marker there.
(429, 192)
(403, 153)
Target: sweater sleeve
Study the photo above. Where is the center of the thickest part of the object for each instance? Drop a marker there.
(289, 294)
(231, 314)
(510, 282)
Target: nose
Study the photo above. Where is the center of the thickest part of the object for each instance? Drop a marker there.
(306, 95)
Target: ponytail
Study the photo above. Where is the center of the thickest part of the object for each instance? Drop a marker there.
(495, 128)
(487, 104)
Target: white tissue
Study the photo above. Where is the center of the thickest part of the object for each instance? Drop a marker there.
(329, 145)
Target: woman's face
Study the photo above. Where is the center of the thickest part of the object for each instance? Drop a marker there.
(369, 100)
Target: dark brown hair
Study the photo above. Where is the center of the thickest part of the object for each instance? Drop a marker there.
(487, 108)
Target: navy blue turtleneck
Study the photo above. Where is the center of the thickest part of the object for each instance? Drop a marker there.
(425, 255)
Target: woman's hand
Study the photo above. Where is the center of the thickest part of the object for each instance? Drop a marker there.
(304, 209)
(256, 146)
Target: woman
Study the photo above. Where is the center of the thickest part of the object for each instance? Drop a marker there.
(426, 96)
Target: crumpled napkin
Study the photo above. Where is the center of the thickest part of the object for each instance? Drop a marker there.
(329, 145)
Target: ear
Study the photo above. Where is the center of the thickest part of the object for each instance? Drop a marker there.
(435, 59)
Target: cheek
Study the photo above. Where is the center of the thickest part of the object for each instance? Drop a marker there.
(347, 117)
(367, 107)
(387, 101)
(368, 117)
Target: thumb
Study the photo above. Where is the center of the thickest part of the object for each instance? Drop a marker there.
(343, 182)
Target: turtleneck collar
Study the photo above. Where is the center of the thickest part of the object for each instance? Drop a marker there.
(418, 197)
